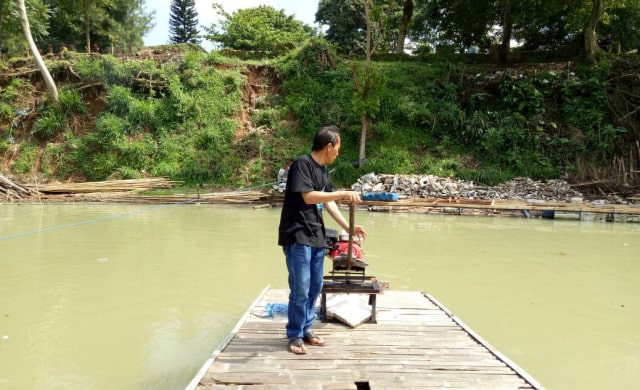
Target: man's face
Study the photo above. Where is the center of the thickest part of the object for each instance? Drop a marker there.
(333, 151)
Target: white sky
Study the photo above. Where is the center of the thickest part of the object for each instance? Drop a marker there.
(303, 10)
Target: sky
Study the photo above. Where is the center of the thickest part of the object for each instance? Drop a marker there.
(303, 10)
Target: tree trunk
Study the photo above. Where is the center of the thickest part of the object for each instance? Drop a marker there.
(367, 17)
(590, 42)
(86, 30)
(364, 120)
(407, 15)
(53, 90)
(507, 31)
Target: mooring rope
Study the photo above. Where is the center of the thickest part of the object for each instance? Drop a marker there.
(69, 225)
(121, 215)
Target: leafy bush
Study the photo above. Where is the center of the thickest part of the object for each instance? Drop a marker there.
(490, 176)
(119, 100)
(71, 103)
(52, 123)
(115, 71)
(138, 155)
(317, 92)
(391, 160)
(51, 157)
(28, 155)
(110, 132)
(583, 104)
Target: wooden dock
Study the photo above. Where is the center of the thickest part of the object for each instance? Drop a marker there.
(415, 344)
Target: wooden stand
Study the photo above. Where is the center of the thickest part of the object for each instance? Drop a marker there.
(345, 285)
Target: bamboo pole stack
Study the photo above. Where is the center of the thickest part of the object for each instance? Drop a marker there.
(104, 186)
(238, 197)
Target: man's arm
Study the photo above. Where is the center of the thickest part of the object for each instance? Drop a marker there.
(329, 200)
(317, 197)
(335, 213)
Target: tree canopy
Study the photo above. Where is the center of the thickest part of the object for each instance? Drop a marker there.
(83, 24)
(11, 30)
(261, 29)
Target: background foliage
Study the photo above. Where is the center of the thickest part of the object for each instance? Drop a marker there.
(207, 119)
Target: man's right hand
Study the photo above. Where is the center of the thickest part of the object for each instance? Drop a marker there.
(351, 197)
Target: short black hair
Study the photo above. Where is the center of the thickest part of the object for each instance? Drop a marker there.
(324, 136)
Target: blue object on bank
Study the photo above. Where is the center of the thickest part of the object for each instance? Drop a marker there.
(548, 214)
(380, 196)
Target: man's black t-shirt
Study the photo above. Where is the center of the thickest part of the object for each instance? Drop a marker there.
(302, 223)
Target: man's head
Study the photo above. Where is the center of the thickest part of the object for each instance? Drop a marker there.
(326, 144)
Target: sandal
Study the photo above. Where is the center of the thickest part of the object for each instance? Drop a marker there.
(312, 339)
(297, 346)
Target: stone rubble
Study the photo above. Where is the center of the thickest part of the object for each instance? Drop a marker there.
(431, 186)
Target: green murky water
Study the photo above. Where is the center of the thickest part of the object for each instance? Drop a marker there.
(137, 297)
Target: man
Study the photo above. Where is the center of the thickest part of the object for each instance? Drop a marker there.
(302, 234)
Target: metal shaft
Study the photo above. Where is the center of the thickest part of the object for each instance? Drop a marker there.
(352, 228)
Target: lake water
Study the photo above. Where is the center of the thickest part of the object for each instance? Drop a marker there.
(117, 296)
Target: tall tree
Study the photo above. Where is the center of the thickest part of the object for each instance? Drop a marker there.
(347, 24)
(403, 30)
(101, 23)
(590, 39)
(24, 20)
(93, 17)
(368, 83)
(183, 22)
(12, 36)
(261, 29)
(129, 23)
(463, 23)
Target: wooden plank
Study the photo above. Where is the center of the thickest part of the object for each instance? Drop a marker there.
(514, 206)
(194, 382)
(416, 344)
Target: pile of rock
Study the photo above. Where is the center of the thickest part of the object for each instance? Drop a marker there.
(430, 186)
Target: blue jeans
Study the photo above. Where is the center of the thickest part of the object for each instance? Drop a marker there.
(306, 267)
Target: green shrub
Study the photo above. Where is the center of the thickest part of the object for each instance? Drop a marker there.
(27, 158)
(127, 173)
(268, 117)
(99, 166)
(71, 103)
(196, 169)
(583, 107)
(391, 160)
(110, 132)
(51, 158)
(52, 123)
(489, 176)
(169, 169)
(115, 71)
(139, 154)
(119, 100)
(6, 111)
(445, 167)
(142, 113)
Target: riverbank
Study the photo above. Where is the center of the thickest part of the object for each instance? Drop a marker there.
(430, 194)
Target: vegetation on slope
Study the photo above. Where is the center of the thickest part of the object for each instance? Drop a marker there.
(209, 120)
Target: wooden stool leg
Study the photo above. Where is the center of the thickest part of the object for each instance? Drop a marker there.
(372, 302)
(323, 307)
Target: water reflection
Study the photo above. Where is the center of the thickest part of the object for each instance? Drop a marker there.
(140, 297)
